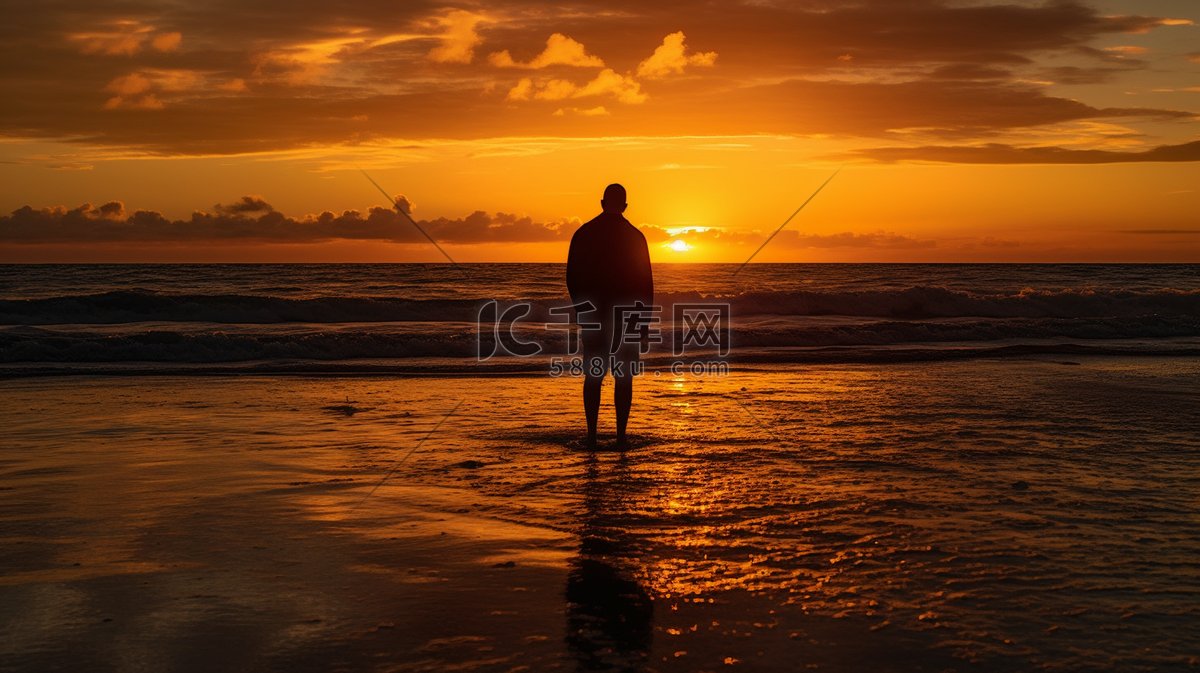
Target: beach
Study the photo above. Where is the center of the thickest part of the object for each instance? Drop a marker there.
(989, 514)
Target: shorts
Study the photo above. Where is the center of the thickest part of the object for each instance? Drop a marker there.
(598, 344)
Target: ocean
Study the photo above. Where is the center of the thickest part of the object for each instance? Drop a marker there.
(413, 317)
(309, 468)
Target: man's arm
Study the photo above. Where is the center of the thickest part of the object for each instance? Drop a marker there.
(573, 270)
(646, 273)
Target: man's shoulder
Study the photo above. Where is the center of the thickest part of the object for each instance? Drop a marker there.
(608, 226)
(607, 221)
(633, 232)
(586, 227)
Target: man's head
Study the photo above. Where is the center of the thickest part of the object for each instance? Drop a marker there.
(614, 199)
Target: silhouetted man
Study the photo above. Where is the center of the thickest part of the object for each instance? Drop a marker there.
(609, 266)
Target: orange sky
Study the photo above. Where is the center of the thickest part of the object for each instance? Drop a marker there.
(969, 130)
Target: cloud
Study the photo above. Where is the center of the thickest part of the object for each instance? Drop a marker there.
(147, 102)
(167, 41)
(917, 112)
(479, 227)
(1127, 49)
(1007, 154)
(969, 71)
(325, 60)
(140, 89)
(918, 108)
(560, 50)
(125, 38)
(247, 204)
(129, 85)
(879, 239)
(125, 45)
(671, 57)
(111, 210)
(597, 111)
(678, 167)
(345, 73)
(460, 38)
(522, 91)
(1071, 74)
(1160, 232)
(622, 87)
(253, 219)
(557, 89)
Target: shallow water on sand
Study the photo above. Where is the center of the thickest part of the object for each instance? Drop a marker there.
(982, 515)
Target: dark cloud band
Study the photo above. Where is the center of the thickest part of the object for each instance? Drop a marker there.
(1007, 154)
(110, 224)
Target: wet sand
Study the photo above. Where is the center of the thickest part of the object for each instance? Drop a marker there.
(970, 516)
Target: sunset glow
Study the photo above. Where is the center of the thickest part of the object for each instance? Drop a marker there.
(769, 335)
(977, 131)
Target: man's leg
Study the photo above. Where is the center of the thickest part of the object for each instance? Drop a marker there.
(591, 404)
(622, 400)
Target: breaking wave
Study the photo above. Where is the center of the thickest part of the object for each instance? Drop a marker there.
(130, 306)
(459, 340)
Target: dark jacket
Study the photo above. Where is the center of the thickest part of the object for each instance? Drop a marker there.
(609, 265)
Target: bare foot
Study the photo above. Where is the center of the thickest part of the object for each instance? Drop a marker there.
(591, 442)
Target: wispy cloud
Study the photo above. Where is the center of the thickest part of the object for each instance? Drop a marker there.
(1007, 154)
(678, 167)
(459, 39)
(125, 38)
(598, 111)
(1160, 232)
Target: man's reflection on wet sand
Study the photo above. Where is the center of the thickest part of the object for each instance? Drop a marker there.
(610, 615)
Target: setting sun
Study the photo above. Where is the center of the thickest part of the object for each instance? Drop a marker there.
(678, 245)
